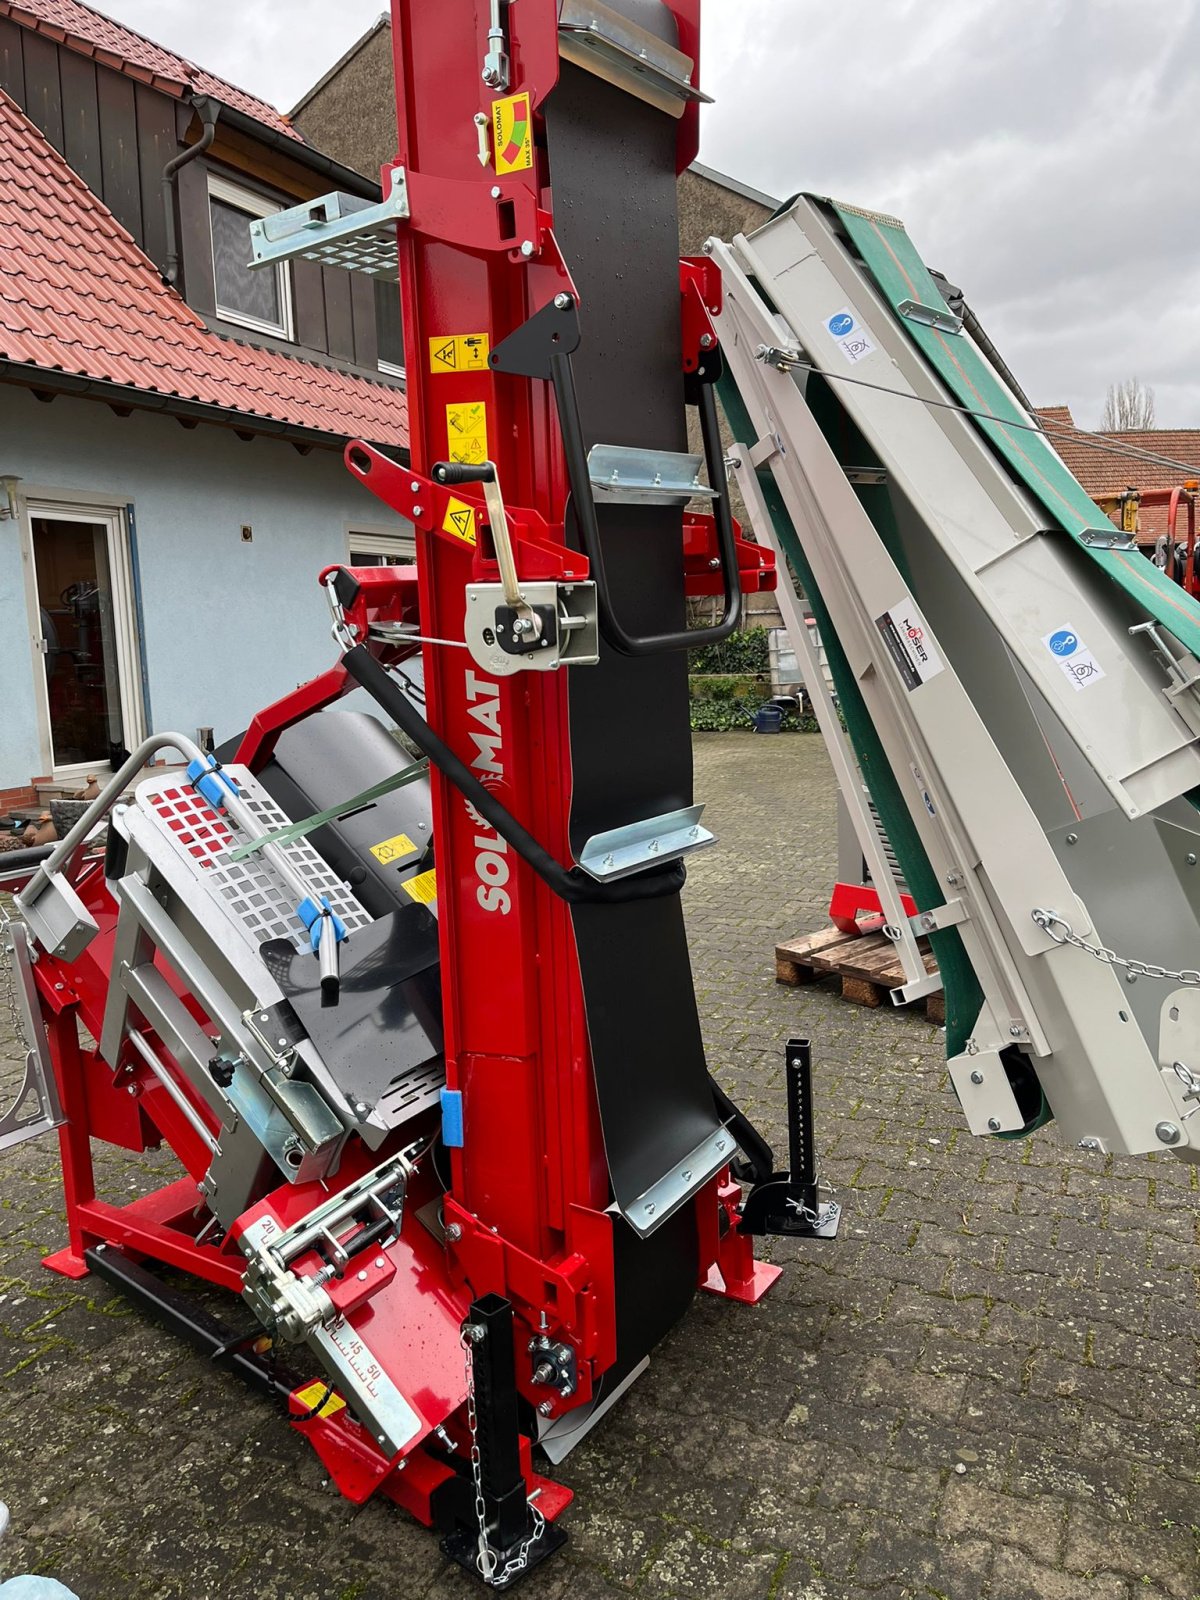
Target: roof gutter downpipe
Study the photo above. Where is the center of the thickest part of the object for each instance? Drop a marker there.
(208, 110)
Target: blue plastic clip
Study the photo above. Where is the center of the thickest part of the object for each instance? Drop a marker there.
(310, 914)
(210, 781)
(452, 1119)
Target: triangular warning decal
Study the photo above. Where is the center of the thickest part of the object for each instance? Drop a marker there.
(460, 521)
(444, 355)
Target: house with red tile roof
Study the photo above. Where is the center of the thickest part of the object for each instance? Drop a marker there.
(1111, 466)
(171, 422)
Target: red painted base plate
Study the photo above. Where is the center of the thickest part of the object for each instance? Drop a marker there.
(750, 1291)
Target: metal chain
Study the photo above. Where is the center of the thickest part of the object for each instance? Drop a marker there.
(488, 1559)
(1048, 921)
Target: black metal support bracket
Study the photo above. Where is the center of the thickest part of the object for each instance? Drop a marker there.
(789, 1203)
(510, 1522)
(180, 1315)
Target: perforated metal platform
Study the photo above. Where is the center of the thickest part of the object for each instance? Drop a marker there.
(250, 891)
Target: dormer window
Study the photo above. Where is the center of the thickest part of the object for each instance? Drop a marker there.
(261, 299)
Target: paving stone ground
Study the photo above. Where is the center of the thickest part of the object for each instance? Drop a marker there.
(1022, 1311)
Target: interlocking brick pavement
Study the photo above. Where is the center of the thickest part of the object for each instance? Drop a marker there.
(1022, 1311)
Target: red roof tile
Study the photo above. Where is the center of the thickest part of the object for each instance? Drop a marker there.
(1103, 468)
(91, 33)
(78, 296)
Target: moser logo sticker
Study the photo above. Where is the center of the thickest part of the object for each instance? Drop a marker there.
(492, 868)
(913, 652)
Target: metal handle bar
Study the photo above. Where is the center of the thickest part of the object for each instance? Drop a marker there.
(562, 376)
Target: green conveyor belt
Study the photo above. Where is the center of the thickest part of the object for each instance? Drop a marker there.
(900, 274)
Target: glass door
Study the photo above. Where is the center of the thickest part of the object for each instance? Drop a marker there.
(84, 632)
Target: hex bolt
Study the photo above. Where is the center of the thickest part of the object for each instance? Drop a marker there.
(415, 487)
(380, 1262)
(563, 302)
(563, 1352)
(707, 341)
(531, 1346)
(527, 248)
(543, 1373)
(977, 1077)
(418, 511)
(474, 1333)
(1016, 1031)
(362, 1277)
(454, 1232)
(1168, 1133)
(546, 1407)
(994, 1124)
(496, 191)
(1089, 1144)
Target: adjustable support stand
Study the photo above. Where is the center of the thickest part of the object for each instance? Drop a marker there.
(501, 1487)
(789, 1203)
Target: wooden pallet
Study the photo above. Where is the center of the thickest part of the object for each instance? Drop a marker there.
(867, 965)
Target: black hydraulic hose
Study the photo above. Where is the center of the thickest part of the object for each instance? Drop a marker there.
(569, 884)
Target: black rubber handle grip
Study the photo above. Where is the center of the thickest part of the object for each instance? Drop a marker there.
(451, 472)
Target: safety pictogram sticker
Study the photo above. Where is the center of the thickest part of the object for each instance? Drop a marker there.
(422, 889)
(393, 849)
(459, 352)
(512, 130)
(466, 430)
(460, 521)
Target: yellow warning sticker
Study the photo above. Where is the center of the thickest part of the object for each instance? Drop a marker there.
(512, 130)
(393, 849)
(423, 888)
(466, 428)
(309, 1396)
(459, 352)
(460, 520)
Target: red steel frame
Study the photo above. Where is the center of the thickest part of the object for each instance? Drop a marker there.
(525, 1214)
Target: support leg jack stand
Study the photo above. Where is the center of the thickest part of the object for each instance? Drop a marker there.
(501, 1537)
(789, 1203)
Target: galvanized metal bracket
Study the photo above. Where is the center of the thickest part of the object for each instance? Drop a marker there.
(337, 230)
(652, 1208)
(1108, 537)
(935, 317)
(623, 474)
(648, 843)
(598, 39)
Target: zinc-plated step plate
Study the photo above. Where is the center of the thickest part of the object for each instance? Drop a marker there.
(250, 892)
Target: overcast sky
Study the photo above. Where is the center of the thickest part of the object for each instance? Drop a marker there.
(1043, 153)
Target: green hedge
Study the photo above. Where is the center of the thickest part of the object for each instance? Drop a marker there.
(746, 652)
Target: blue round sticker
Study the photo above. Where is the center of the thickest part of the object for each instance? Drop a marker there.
(841, 325)
(1064, 642)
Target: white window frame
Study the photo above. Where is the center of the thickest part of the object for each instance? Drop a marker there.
(399, 548)
(254, 205)
(67, 506)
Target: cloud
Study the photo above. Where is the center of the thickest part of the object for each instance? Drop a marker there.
(1040, 151)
